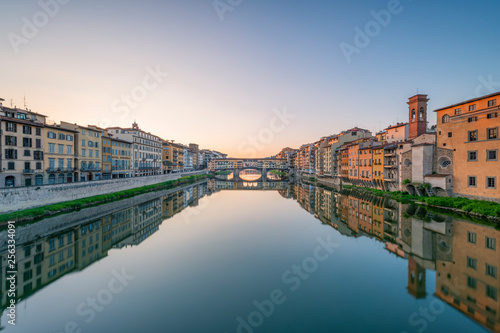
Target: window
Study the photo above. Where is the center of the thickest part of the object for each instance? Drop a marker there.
(491, 243)
(11, 127)
(472, 155)
(84, 152)
(491, 182)
(444, 162)
(51, 135)
(491, 271)
(26, 129)
(472, 107)
(492, 155)
(38, 143)
(83, 143)
(472, 136)
(458, 111)
(10, 140)
(472, 119)
(491, 292)
(472, 263)
(69, 138)
(471, 282)
(11, 154)
(60, 149)
(491, 103)
(52, 244)
(27, 152)
(471, 237)
(27, 142)
(38, 131)
(450, 134)
(492, 115)
(445, 119)
(69, 150)
(61, 136)
(52, 148)
(472, 181)
(492, 133)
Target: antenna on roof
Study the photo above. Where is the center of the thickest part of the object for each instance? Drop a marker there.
(417, 90)
(11, 102)
(25, 106)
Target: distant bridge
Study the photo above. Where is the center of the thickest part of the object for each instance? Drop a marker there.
(236, 165)
(242, 185)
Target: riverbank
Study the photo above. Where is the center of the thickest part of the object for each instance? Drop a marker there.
(476, 208)
(29, 215)
(27, 197)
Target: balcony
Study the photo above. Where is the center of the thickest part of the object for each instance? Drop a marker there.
(60, 169)
(390, 166)
(389, 180)
(28, 171)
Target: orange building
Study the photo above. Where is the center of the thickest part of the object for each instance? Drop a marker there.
(470, 282)
(365, 163)
(365, 211)
(344, 162)
(353, 152)
(470, 129)
(378, 166)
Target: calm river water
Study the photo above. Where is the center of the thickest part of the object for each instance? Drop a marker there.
(253, 257)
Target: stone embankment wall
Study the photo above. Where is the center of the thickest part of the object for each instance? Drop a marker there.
(18, 198)
(53, 225)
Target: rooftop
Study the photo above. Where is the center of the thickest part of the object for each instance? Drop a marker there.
(469, 101)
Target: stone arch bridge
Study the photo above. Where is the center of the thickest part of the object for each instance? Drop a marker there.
(237, 165)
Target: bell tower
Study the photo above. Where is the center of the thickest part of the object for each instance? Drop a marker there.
(417, 115)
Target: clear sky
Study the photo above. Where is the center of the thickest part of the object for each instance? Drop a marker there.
(232, 68)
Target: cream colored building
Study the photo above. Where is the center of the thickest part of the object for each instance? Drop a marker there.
(21, 145)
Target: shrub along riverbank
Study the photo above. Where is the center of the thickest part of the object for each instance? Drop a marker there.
(64, 207)
(473, 207)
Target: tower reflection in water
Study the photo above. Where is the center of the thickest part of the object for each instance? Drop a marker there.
(462, 253)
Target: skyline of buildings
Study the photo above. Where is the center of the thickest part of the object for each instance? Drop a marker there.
(457, 157)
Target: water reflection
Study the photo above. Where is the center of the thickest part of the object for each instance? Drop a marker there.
(462, 253)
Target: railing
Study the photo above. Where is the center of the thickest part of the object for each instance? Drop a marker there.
(60, 169)
(28, 171)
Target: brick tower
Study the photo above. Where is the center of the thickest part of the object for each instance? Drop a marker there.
(417, 115)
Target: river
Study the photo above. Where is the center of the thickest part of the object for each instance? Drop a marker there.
(221, 256)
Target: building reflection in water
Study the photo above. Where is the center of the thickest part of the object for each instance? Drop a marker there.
(462, 253)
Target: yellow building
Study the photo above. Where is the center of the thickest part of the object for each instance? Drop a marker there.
(59, 155)
(121, 158)
(470, 129)
(172, 157)
(88, 145)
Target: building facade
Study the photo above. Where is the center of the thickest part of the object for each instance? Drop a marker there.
(59, 155)
(470, 130)
(88, 145)
(22, 161)
(147, 149)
